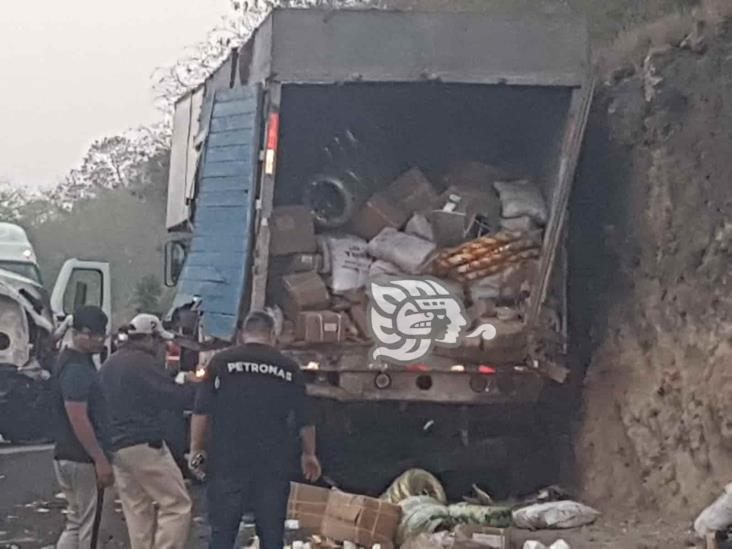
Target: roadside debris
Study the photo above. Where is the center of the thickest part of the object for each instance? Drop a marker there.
(554, 514)
(415, 482)
(414, 513)
(717, 517)
(559, 544)
(481, 497)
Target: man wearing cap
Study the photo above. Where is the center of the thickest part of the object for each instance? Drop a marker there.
(80, 462)
(155, 502)
(255, 399)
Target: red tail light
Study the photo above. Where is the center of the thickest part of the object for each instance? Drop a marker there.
(417, 368)
(172, 352)
(485, 369)
(273, 129)
(270, 153)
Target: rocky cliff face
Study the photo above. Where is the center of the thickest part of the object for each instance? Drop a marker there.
(651, 286)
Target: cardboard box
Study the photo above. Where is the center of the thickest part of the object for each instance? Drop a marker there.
(468, 536)
(412, 191)
(307, 505)
(360, 319)
(296, 263)
(361, 520)
(292, 231)
(380, 211)
(458, 207)
(302, 291)
(321, 327)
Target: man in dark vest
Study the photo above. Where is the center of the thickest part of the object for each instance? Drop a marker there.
(255, 399)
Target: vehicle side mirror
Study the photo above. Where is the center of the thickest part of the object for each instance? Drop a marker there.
(175, 256)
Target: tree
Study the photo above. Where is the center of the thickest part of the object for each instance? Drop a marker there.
(12, 200)
(146, 295)
(236, 27)
(113, 162)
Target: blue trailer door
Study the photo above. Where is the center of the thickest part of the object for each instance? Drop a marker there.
(216, 270)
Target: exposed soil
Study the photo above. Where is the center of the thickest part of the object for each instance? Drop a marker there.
(651, 282)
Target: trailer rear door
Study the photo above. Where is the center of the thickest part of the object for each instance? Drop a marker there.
(215, 273)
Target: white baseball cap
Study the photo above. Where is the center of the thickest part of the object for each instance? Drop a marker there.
(147, 324)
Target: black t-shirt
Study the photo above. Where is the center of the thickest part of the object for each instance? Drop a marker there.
(76, 380)
(256, 399)
(137, 391)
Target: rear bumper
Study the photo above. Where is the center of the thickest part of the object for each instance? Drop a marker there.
(507, 386)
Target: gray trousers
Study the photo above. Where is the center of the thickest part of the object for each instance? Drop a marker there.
(78, 483)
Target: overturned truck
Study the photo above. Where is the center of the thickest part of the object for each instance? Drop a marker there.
(337, 148)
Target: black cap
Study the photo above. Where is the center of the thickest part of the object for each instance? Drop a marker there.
(90, 318)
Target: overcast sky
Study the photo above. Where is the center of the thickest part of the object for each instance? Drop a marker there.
(75, 70)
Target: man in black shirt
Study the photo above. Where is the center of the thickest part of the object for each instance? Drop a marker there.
(79, 459)
(254, 397)
(155, 501)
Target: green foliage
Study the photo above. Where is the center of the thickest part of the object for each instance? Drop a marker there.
(124, 226)
(146, 295)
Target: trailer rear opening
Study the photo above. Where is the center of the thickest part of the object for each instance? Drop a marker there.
(430, 125)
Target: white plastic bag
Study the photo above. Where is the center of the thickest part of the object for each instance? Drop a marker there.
(350, 263)
(381, 268)
(555, 514)
(717, 517)
(420, 226)
(521, 198)
(406, 251)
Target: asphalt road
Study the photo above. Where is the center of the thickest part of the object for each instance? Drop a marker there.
(31, 511)
(26, 474)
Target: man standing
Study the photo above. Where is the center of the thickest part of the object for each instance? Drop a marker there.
(82, 468)
(254, 396)
(154, 498)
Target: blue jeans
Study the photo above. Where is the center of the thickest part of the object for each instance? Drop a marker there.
(230, 495)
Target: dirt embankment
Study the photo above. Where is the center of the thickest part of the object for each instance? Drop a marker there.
(651, 286)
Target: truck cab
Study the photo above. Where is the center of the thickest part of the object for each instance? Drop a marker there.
(17, 254)
(29, 316)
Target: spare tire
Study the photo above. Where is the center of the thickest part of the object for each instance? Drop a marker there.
(333, 200)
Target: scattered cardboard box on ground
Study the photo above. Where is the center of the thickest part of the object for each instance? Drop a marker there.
(360, 519)
(469, 536)
(307, 505)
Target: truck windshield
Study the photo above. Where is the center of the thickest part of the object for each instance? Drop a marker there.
(28, 270)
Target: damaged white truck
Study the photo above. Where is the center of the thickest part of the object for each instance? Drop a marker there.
(28, 319)
(335, 146)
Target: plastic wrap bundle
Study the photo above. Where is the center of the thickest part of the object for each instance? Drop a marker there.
(420, 515)
(555, 514)
(483, 515)
(415, 482)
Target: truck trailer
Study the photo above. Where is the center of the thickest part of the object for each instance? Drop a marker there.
(329, 138)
